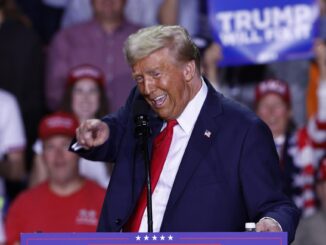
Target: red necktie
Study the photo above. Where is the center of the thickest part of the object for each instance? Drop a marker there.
(161, 147)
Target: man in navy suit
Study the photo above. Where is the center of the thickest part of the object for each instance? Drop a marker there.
(221, 169)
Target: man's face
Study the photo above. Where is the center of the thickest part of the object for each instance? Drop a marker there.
(110, 10)
(164, 83)
(274, 112)
(62, 165)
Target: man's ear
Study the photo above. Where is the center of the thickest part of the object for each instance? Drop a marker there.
(189, 70)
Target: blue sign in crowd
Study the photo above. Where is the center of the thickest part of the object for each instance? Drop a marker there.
(263, 31)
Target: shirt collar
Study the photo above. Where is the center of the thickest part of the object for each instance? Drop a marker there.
(279, 140)
(190, 114)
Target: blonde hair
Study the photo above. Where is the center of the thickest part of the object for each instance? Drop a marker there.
(150, 39)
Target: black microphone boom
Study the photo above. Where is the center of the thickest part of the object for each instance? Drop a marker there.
(142, 132)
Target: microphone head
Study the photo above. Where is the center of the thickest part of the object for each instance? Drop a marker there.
(140, 113)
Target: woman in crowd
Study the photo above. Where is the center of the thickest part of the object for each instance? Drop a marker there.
(84, 97)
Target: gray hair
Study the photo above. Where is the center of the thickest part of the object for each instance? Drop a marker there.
(150, 39)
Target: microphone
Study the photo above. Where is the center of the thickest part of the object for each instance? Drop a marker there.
(140, 112)
(142, 131)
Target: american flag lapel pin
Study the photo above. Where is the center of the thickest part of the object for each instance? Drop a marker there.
(208, 133)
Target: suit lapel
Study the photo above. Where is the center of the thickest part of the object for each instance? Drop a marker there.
(202, 137)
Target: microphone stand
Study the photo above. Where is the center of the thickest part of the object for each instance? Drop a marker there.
(142, 131)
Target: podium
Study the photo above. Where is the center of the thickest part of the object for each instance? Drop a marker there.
(177, 238)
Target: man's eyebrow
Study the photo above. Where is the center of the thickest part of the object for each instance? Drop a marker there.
(148, 71)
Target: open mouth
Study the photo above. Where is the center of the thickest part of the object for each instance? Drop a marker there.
(159, 101)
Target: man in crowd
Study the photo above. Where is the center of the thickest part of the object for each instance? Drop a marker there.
(97, 42)
(214, 163)
(66, 202)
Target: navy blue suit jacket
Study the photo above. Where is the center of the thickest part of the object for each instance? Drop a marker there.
(223, 181)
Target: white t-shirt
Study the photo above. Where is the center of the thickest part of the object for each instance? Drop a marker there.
(12, 134)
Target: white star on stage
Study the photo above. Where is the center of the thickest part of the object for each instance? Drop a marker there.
(138, 238)
(146, 238)
(162, 238)
(170, 238)
(154, 238)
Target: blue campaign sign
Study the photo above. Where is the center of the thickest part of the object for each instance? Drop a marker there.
(256, 32)
(203, 238)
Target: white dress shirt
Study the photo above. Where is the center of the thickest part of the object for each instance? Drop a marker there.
(181, 135)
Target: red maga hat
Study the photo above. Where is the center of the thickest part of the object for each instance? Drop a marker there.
(272, 86)
(59, 123)
(86, 71)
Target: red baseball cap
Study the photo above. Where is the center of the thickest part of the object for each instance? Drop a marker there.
(272, 86)
(86, 71)
(59, 123)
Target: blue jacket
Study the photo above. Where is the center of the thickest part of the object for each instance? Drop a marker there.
(224, 181)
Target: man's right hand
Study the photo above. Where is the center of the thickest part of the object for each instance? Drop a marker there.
(91, 133)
